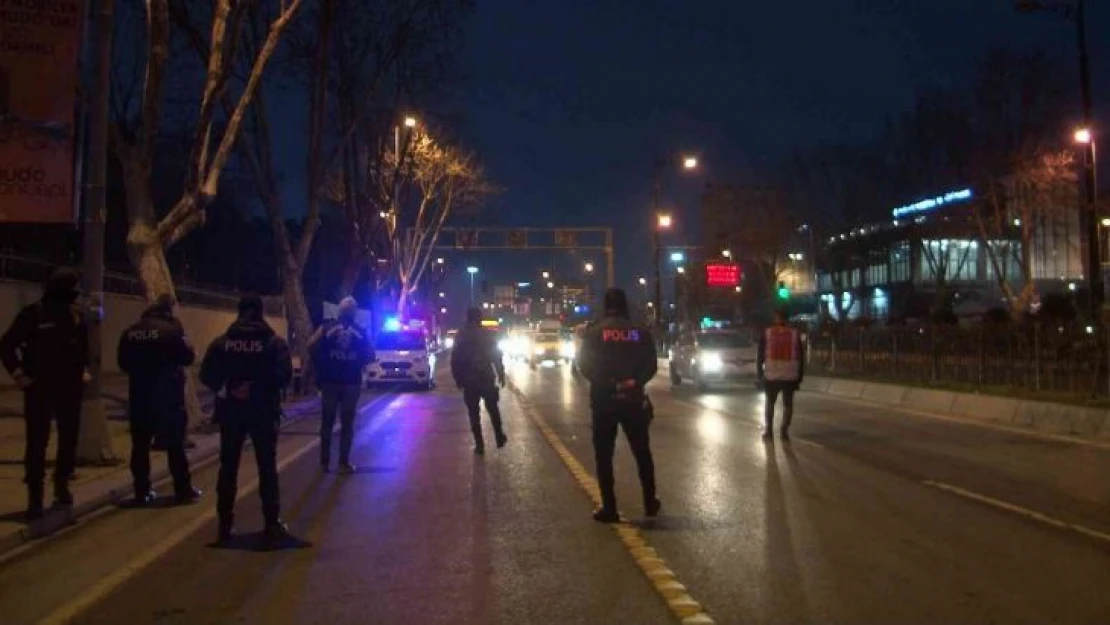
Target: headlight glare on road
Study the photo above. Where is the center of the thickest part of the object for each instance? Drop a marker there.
(711, 362)
(567, 349)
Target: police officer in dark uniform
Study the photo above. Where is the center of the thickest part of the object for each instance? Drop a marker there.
(154, 353)
(341, 350)
(250, 365)
(618, 358)
(46, 351)
(478, 369)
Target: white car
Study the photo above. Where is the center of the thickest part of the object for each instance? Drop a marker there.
(714, 356)
(402, 356)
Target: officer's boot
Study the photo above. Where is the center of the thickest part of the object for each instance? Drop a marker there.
(479, 440)
(275, 535)
(225, 530)
(63, 498)
(35, 496)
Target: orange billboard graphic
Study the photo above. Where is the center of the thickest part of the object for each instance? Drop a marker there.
(39, 45)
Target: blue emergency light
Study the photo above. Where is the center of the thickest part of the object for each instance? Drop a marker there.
(392, 324)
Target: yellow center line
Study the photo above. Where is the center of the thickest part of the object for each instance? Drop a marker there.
(687, 610)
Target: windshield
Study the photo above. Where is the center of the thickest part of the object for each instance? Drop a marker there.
(399, 341)
(547, 337)
(724, 340)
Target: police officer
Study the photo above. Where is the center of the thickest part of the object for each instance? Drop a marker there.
(618, 358)
(250, 365)
(341, 350)
(46, 351)
(154, 353)
(476, 365)
(781, 368)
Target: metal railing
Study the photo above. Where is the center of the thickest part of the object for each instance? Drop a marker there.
(25, 269)
(1044, 358)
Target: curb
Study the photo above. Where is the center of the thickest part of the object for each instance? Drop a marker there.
(120, 489)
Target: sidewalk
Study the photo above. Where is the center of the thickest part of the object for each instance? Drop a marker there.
(95, 486)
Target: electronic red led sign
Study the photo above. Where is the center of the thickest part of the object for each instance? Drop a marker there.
(722, 274)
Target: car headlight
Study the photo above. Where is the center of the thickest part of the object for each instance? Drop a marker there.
(539, 350)
(711, 362)
(503, 345)
(450, 342)
(567, 349)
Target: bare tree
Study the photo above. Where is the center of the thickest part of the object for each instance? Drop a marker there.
(1040, 189)
(444, 179)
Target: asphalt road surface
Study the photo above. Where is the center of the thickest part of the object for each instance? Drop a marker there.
(867, 516)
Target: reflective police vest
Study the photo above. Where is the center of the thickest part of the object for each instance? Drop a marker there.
(782, 360)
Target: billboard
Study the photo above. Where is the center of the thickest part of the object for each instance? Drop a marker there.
(39, 46)
(722, 275)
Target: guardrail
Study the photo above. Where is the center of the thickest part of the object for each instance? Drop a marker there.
(25, 269)
(1058, 358)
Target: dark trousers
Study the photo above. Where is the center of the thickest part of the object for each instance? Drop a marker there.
(43, 405)
(489, 395)
(635, 426)
(771, 391)
(263, 434)
(344, 399)
(169, 428)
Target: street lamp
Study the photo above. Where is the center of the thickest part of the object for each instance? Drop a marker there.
(589, 267)
(546, 275)
(442, 294)
(472, 270)
(410, 121)
(550, 285)
(439, 261)
(726, 253)
(680, 269)
(677, 257)
(1077, 12)
(664, 222)
(690, 162)
(642, 281)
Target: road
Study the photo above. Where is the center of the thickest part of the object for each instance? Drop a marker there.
(867, 516)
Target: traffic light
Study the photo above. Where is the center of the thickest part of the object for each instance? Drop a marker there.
(784, 292)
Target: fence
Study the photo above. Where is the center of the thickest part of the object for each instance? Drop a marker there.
(1055, 359)
(25, 269)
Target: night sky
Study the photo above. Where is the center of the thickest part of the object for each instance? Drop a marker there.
(568, 101)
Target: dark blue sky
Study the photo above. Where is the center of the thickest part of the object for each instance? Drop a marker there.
(568, 101)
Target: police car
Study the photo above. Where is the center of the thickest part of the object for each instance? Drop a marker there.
(402, 356)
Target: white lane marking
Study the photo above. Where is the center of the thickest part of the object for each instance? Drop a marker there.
(102, 589)
(1012, 429)
(1019, 510)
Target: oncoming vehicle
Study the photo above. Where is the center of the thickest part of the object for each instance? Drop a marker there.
(713, 356)
(547, 346)
(402, 356)
(449, 339)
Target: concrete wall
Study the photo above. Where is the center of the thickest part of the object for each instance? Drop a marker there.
(202, 325)
(1050, 418)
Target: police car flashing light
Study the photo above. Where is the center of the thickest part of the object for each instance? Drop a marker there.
(392, 324)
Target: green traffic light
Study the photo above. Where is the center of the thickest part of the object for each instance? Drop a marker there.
(784, 293)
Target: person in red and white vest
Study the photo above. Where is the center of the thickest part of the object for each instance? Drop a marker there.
(781, 368)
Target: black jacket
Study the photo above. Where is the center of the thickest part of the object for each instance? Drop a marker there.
(476, 360)
(615, 350)
(252, 364)
(48, 341)
(341, 351)
(154, 352)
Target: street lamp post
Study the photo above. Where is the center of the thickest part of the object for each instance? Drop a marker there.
(663, 222)
(472, 270)
(1088, 219)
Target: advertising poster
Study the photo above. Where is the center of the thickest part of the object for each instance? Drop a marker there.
(40, 41)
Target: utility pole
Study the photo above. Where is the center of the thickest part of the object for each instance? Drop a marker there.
(656, 182)
(1094, 257)
(95, 443)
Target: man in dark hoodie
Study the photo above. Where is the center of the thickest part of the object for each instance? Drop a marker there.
(251, 365)
(340, 350)
(618, 358)
(46, 351)
(153, 353)
(478, 369)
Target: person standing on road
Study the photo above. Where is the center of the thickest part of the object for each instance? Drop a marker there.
(251, 365)
(618, 358)
(154, 353)
(341, 350)
(781, 367)
(46, 351)
(478, 369)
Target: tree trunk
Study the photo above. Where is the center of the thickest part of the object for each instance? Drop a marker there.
(352, 269)
(300, 320)
(403, 300)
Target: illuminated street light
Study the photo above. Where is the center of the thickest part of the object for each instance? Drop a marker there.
(442, 294)
(546, 275)
(472, 270)
(681, 270)
(1083, 135)
(690, 162)
(410, 122)
(589, 267)
(1106, 222)
(443, 310)
(677, 257)
(665, 221)
(643, 281)
(726, 253)
(550, 285)
(439, 261)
